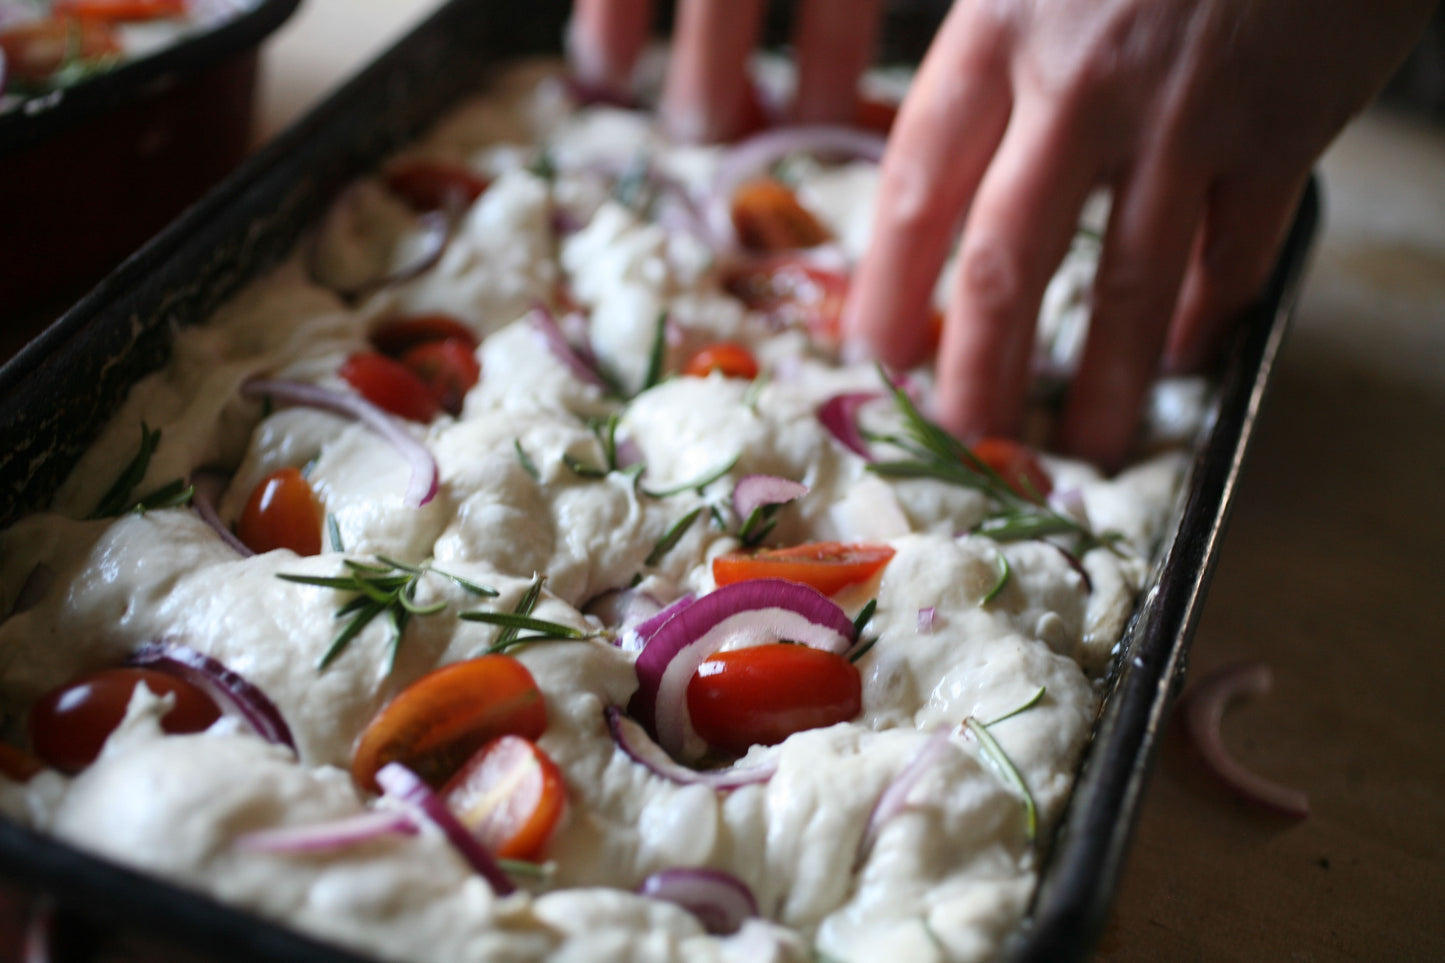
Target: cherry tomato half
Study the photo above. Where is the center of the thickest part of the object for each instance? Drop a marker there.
(390, 385)
(732, 359)
(431, 185)
(397, 336)
(448, 368)
(120, 11)
(768, 217)
(1017, 465)
(762, 694)
(17, 765)
(795, 292)
(435, 724)
(69, 725)
(876, 115)
(36, 49)
(282, 512)
(510, 794)
(827, 566)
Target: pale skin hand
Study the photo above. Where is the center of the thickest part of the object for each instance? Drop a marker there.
(1202, 116)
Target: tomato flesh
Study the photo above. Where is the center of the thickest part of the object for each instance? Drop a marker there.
(36, 49)
(390, 385)
(768, 217)
(120, 11)
(828, 567)
(762, 694)
(448, 368)
(435, 724)
(17, 765)
(430, 185)
(69, 725)
(1017, 465)
(396, 337)
(282, 512)
(731, 359)
(795, 292)
(510, 794)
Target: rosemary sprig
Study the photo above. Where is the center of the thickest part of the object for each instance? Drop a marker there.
(1002, 566)
(1029, 703)
(657, 354)
(388, 587)
(1007, 772)
(117, 499)
(672, 536)
(543, 165)
(698, 483)
(934, 453)
(862, 650)
(864, 617)
(521, 867)
(520, 619)
(754, 391)
(173, 494)
(581, 469)
(758, 525)
(631, 187)
(528, 466)
(333, 533)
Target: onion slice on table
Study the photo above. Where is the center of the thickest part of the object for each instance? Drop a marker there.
(633, 740)
(894, 798)
(401, 783)
(423, 485)
(336, 834)
(231, 691)
(759, 152)
(719, 900)
(756, 611)
(754, 491)
(1203, 708)
(839, 414)
(206, 488)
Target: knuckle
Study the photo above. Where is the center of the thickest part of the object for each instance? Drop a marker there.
(991, 278)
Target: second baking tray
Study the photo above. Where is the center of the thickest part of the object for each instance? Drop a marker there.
(58, 392)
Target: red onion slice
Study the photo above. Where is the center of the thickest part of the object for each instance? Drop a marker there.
(754, 491)
(839, 414)
(206, 489)
(757, 153)
(756, 611)
(551, 334)
(719, 900)
(633, 740)
(1203, 708)
(231, 692)
(894, 799)
(423, 485)
(337, 834)
(636, 638)
(925, 619)
(401, 783)
(436, 227)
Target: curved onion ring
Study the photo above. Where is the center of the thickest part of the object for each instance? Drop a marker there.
(839, 414)
(401, 783)
(756, 611)
(754, 491)
(546, 326)
(894, 798)
(226, 688)
(351, 831)
(436, 227)
(206, 488)
(756, 153)
(633, 740)
(635, 639)
(1203, 708)
(423, 485)
(719, 900)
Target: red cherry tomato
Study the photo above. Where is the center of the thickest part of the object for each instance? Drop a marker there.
(828, 567)
(17, 765)
(69, 725)
(510, 794)
(119, 11)
(768, 217)
(435, 724)
(396, 337)
(282, 512)
(1017, 465)
(430, 185)
(760, 695)
(795, 292)
(390, 385)
(36, 49)
(448, 368)
(732, 359)
(876, 115)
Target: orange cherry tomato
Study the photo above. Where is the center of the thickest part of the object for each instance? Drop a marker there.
(768, 217)
(435, 724)
(760, 695)
(390, 385)
(449, 368)
(510, 794)
(1017, 465)
(430, 185)
(732, 359)
(282, 512)
(17, 765)
(69, 725)
(118, 11)
(795, 292)
(396, 337)
(36, 49)
(828, 567)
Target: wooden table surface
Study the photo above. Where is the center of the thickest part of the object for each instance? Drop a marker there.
(1333, 573)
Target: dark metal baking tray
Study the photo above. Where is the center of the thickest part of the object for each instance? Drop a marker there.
(59, 391)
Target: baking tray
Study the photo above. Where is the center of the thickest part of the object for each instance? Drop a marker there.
(59, 391)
